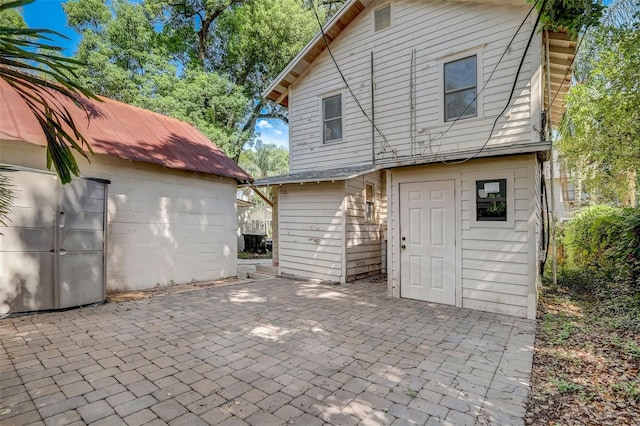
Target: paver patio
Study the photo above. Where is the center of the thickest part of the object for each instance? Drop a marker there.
(266, 353)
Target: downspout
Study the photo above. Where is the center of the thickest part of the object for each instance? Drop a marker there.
(552, 219)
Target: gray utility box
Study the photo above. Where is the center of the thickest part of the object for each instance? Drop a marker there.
(52, 251)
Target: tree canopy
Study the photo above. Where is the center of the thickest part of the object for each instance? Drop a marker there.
(600, 133)
(202, 61)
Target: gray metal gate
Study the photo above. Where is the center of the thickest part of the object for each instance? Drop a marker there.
(52, 253)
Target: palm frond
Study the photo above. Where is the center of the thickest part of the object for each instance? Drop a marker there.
(31, 65)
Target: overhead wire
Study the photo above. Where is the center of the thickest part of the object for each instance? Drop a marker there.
(475, 98)
(353, 95)
(513, 89)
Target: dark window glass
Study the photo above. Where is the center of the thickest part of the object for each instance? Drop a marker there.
(491, 200)
(460, 89)
(332, 117)
(382, 18)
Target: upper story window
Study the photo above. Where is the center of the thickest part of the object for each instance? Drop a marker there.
(460, 88)
(332, 118)
(382, 18)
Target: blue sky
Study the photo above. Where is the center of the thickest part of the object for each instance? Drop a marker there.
(49, 14)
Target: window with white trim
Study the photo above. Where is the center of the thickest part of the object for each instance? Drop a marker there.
(332, 119)
(382, 18)
(369, 202)
(460, 80)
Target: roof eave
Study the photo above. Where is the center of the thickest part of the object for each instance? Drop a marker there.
(271, 93)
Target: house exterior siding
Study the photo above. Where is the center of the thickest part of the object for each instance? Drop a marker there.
(436, 32)
(310, 230)
(364, 237)
(397, 76)
(494, 268)
(164, 226)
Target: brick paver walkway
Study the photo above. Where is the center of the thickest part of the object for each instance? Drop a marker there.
(266, 353)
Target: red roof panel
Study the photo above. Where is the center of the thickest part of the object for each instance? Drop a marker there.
(124, 131)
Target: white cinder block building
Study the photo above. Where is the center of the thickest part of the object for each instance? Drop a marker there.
(156, 206)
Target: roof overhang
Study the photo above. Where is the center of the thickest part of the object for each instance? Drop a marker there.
(278, 90)
(560, 53)
(317, 176)
(346, 173)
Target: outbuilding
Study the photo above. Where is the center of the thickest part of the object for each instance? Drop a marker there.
(155, 206)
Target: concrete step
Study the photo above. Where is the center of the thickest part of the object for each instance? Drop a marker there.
(267, 269)
(259, 276)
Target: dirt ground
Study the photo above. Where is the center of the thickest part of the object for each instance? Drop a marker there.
(586, 360)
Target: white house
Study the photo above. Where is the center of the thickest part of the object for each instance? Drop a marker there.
(156, 206)
(416, 148)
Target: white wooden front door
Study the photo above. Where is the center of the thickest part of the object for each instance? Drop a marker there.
(427, 241)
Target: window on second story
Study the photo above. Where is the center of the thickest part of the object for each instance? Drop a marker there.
(382, 18)
(332, 119)
(460, 89)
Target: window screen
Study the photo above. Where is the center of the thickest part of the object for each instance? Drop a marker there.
(332, 117)
(382, 18)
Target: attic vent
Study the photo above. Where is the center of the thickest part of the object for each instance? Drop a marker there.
(382, 18)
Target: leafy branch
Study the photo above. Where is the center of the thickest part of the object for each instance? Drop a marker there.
(34, 68)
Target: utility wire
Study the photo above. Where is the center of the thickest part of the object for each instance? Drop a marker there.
(353, 95)
(513, 89)
(494, 69)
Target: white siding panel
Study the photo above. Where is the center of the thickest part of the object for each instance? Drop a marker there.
(495, 258)
(364, 238)
(310, 230)
(435, 30)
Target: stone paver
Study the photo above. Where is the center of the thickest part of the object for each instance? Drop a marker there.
(271, 352)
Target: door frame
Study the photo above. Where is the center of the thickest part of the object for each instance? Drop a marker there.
(414, 174)
(455, 242)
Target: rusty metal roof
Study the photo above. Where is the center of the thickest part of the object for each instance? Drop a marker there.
(122, 130)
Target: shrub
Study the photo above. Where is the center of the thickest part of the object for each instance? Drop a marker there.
(604, 241)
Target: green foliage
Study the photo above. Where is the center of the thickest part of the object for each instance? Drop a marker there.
(600, 133)
(265, 160)
(11, 17)
(564, 386)
(208, 101)
(6, 199)
(603, 241)
(33, 67)
(202, 61)
(571, 15)
(128, 59)
(629, 388)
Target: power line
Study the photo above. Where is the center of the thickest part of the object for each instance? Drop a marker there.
(353, 95)
(493, 71)
(513, 89)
